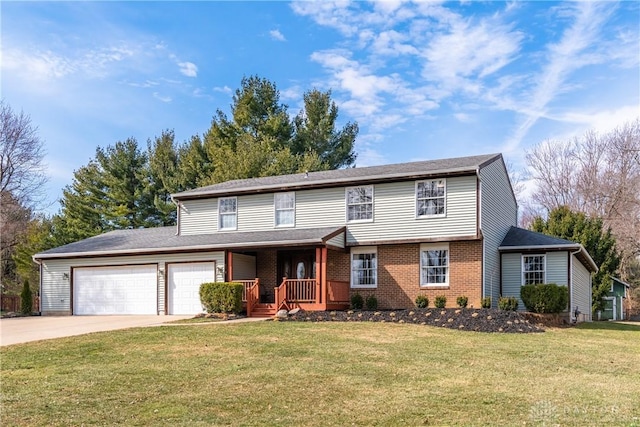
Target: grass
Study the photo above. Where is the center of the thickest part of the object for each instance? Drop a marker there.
(286, 373)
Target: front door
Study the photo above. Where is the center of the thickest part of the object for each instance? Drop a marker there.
(296, 264)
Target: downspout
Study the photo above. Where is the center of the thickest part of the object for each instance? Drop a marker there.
(177, 215)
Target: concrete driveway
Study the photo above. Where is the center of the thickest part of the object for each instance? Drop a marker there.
(25, 329)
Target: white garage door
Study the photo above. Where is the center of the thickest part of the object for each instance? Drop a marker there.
(115, 290)
(184, 286)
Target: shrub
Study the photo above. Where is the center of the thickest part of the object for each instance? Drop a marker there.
(441, 301)
(486, 302)
(422, 301)
(371, 302)
(508, 303)
(357, 302)
(221, 297)
(462, 301)
(545, 298)
(26, 298)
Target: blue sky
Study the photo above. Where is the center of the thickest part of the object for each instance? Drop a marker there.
(424, 80)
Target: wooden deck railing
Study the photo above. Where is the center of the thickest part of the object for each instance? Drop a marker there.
(337, 291)
(298, 291)
(251, 294)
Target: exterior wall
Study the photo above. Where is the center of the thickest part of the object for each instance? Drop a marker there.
(244, 267)
(198, 216)
(498, 212)
(266, 270)
(338, 266)
(580, 289)
(337, 241)
(56, 290)
(394, 213)
(556, 271)
(399, 276)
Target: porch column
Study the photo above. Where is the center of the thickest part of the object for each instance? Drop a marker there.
(319, 294)
(229, 266)
(323, 276)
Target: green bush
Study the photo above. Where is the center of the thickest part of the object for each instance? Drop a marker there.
(545, 297)
(371, 302)
(422, 301)
(486, 302)
(357, 302)
(26, 298)
(462, 301)
(221, 297)
(508, 303)
(441, 301)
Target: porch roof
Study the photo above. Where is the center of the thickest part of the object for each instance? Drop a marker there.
(165, 240)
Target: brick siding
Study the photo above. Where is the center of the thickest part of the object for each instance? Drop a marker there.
(399, 275)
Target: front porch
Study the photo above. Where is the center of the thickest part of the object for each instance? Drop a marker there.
(313, 287)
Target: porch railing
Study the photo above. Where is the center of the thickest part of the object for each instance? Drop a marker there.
(337, 291)
(251, 293)
(297, 291)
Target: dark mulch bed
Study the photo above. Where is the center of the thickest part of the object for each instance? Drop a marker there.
(465, 319)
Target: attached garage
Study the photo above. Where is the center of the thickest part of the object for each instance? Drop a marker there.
(115, 290)
(183, 282)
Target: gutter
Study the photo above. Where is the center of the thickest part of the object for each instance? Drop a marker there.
(177, 216)
(39, 262)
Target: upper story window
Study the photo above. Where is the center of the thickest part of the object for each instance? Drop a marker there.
(359, 203)
(533, 269)
(227, 213)
(364, 267)
(285, 209)
(430, 198)
(434, 265)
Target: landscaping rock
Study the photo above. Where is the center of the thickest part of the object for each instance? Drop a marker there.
(282, 314)
(480, 320)
(294, 311)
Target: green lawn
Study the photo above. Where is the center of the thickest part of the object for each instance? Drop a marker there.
(285, 373)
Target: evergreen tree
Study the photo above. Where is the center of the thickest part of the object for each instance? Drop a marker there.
(163, 177)
(315, 132)
(26, 298)
(590, 232)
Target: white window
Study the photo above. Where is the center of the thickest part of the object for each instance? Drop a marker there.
(227, 213)
(359, 203)
(533, 267)
(430, 198)
(434, 265)
(364, 267)
(285, 209)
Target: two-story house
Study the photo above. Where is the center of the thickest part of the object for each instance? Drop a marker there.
(310, 240)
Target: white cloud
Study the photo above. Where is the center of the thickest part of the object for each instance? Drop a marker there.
(162, 98)
(571, 53)
(277, 35)
(222, 89)
(292, 93)
(189, 69)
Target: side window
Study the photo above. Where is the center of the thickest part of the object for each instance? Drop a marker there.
(227, 213)
(431, 198)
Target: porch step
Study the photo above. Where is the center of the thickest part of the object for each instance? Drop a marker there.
(263, 310)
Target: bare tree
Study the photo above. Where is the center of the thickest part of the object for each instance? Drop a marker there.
(22, 179)
(597, 174)
(22, 172)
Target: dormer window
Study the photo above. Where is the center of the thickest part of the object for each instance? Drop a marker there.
(431, 198)
(227, 213)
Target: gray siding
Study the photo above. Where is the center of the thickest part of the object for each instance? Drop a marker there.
(394, 213)
(556, 272)
(511, 277)
(199, 217)
(56, 290)
(498, 212)
(580, 289)
(557, 268)
(337, 241)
